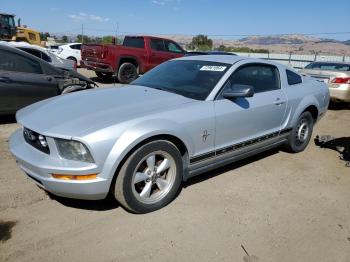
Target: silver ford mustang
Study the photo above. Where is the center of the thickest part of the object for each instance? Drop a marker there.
(183, 118)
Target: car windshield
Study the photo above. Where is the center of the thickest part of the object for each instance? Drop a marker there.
(329, 66)
(190, 78)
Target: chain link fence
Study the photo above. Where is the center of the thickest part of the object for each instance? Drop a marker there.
(295, 60)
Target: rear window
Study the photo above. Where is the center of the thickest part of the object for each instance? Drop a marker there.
(37, 53)
(329, 66)
(136, 42)
(76, 47)
(293, 78)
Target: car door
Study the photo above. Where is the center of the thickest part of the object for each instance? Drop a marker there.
(158, 52)
(23, 82)
(173, 49)
(245, 118)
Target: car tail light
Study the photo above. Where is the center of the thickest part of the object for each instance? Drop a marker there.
(341, 80)
(105, 52)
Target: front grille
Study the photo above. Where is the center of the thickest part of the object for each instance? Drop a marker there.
(32, 138)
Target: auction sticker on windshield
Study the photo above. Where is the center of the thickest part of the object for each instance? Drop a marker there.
(213, 68)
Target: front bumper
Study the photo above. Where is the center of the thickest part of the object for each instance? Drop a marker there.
(341, 92)
(96, 66)
(39, 166)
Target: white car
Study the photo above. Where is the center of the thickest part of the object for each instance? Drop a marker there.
(70, 51)
(43, 54)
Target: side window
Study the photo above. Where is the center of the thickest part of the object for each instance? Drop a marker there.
(172, 47)
(32, 36)
(45, 57)
(293, 78)
(136, 42)
(32, 52)
(18, 63)
(262, 77)
(157, 45)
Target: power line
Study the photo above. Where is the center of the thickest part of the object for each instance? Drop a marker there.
(89, 29)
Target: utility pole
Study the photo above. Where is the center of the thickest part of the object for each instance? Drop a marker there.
(82, 33)
(116, 33)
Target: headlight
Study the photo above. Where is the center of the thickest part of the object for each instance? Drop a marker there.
(73, 150)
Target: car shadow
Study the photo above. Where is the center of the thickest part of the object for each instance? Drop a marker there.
(341, 145)
(338, 106)
(110, 203)
(106, 204)
(6, 229)
(221, 170)
(104, 81)
(7, 119)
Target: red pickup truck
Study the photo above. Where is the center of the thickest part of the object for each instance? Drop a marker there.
(137, 55)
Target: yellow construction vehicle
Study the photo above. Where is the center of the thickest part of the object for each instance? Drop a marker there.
(10, 32)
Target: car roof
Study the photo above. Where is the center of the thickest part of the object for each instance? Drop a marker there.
(331, 62)
(25, 45)
(69, 44)
(227, 59)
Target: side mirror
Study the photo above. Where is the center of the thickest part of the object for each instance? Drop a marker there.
(238, 90)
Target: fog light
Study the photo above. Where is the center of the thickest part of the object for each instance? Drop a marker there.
(42, 141)
(75, 177)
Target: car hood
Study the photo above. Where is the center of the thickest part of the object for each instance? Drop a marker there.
(84, 112)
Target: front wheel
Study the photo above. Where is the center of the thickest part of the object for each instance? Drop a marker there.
(301, 133)
(127, 73)
(150, 178)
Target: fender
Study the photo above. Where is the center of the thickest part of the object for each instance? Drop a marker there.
(294, 111)
(140, 132)
(128, 57)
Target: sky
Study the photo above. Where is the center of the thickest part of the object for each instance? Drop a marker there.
(230, 19)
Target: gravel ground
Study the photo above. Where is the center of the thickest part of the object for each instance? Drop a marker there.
(278, 206)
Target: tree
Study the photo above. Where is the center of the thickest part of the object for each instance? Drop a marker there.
(86, 39)
(65, 38)
(108, 39)
(201, 42)
(44, 36)
(222, 48)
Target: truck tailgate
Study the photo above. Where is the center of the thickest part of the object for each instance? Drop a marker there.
(93, 52)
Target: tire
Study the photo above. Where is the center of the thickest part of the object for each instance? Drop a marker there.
(139, 188)
(104, 76)
(301, 133)
(127, 73)
(72, 58)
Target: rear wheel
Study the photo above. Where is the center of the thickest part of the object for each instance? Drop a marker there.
(73, 59)
(150, 178)
(127, 73)
(104, 76)
(301, 133)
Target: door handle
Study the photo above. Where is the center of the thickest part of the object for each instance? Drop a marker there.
(279, 102)
(49, 78)
(4, 79)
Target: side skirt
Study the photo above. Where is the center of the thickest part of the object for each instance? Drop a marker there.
(221, 157)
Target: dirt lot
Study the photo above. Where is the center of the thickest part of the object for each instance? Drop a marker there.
(278, 206)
